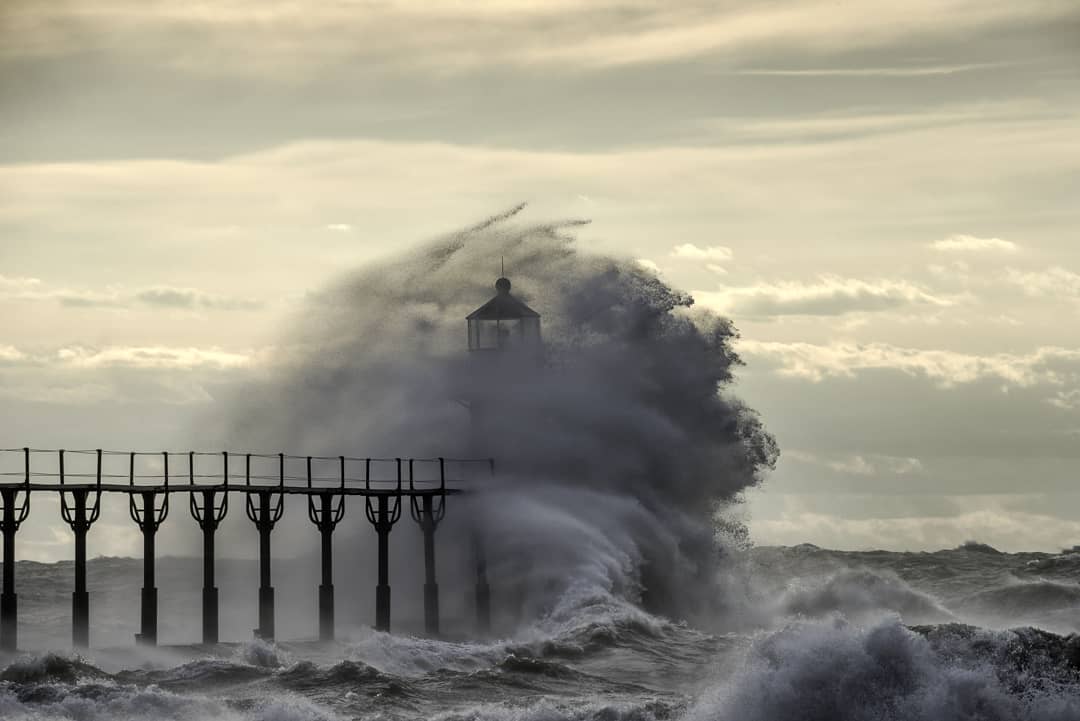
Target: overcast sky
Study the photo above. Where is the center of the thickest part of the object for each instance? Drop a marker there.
(882, 195)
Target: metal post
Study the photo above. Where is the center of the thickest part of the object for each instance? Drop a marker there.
(266, 591)
(80, 598)
(383, 516)
(8, 599)
(326, 515)
(326, 588)
(209, 591)
(79, 519)
(431, 588)
(264, 516)
(13, 515)
(382, 590)
(209, 516)
(429, 510)
(148, 627)
(149, 519)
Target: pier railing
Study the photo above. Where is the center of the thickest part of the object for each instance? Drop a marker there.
(149, 479)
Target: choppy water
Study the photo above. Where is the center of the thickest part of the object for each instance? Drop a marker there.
(812, 634)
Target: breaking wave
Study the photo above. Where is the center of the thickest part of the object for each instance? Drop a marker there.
(833, 671)
(861, 593)
(1026, 598)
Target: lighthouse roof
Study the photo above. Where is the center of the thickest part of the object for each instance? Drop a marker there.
(503, 306)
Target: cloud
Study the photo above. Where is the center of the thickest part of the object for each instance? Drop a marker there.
(285, 40)
(1066, 400)
(11, 355)
(157, 357)
(9, 285)
(160, 296)
(1051, 365)
(898, 71)
(829, 295)
(79, 375)
(972, 244)
(339, 227)
(1054, 282)
(646, 263)
(860, 464)
(168, 297)
(689, 251)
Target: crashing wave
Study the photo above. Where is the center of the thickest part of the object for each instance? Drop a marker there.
(858, 593)
(1025, 598)
(833, 671)
(977, 547)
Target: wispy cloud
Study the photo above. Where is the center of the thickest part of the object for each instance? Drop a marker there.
(1067, 400)
(1055, 282)
(828, 295)
(973, 244)
(689, 251)
(146, 374)
(1050, 364)
(159, 296)
(860, 464)
(902, 71)
(10, 355)
(283, 39)
(156, 357)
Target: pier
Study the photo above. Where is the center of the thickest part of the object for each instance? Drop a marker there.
(149, 480)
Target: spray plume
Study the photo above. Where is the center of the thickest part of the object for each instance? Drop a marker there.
(614, 452)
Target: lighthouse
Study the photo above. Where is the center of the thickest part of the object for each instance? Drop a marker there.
(503, 337)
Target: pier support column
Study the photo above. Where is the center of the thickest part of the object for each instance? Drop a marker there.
(266, 590)
(382, 590)
(428, 516)
(383, 511)
(265, 515)
(9, 602)
(209, 591)
(325, 514)
(149, 519)
(428, 508)
(80, 598)
(14, 513)
(148, 627)
(79, 515)
(209, 515)
(326, 588)
(326, 517)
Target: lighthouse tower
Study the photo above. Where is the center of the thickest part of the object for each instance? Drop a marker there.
(503, 337)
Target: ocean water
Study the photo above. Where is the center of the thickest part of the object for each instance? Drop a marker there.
(809, 634)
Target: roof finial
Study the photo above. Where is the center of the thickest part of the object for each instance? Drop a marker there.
(503, 283)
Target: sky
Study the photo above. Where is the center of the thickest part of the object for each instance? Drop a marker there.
(882, 196)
